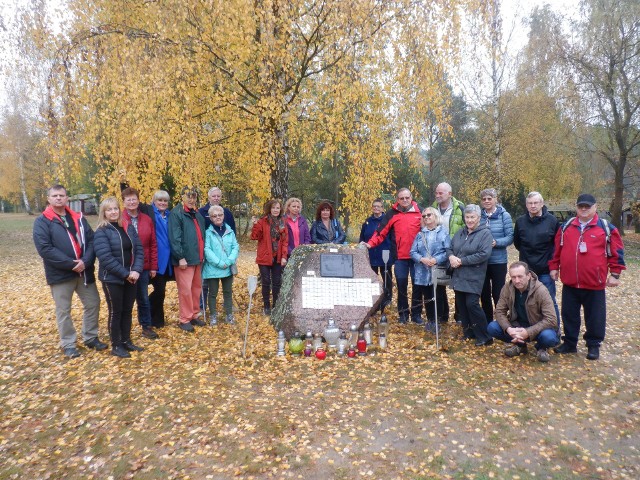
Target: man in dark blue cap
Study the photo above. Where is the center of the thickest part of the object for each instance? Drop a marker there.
(586, 249)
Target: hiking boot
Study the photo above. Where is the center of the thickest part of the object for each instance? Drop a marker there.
(229, 319)
(430, 327)
(197, 322)
(515, 350)
(96, 344)
(187, 327)
(418, 321)
(120, 351)
(593, 352)
(148, 332)
(213, 319)
(484, 343)
(71, 352)
(543, 355)
(565, 348)
(130, 347)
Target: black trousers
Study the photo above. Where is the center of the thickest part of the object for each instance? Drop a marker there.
(156, 299)
(443, 303)
(425, 294)
(387, 282)
(595, 315)
(120, 300)
(472, 316)
(494, 280)
(271, 277)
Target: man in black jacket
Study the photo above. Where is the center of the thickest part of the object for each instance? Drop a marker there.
(534, 236)
(64, 240)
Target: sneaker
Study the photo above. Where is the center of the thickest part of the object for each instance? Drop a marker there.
(565, 348)
(197, 322)
(213, 319)
(229, 319)
(594, 352)
(430, 327)
(515, 350)
(418, 321)
(484, 343)
(130, 347)
(96, 344)
(187, 327)
(71, 352)
(543, 355)
(267, 311)
(120, 351)
(148, 332)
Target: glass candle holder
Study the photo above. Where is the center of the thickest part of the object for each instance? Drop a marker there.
(281, 343)
(331, 333)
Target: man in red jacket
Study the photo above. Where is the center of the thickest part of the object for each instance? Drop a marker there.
(586, 250)
(401, 223)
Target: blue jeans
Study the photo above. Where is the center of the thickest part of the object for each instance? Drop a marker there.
(142, 299)
(402, 270)
(546, 280)
(547, 338)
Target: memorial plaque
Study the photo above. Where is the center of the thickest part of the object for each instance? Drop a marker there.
(322, 281)
(336, 265)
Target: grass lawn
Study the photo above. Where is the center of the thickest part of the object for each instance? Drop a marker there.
(189, 406)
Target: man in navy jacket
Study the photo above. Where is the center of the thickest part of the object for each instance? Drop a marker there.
(533, 236)
(64, 240)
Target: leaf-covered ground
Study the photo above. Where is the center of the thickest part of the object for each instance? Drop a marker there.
(189, 406)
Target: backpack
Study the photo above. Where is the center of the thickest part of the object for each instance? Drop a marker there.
(602, 223)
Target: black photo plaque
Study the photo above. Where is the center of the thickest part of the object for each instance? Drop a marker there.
(336, 265)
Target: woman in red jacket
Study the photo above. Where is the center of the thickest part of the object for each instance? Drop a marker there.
(271, 233)
(145, 229)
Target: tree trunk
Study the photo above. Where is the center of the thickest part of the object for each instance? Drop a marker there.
(280, 172)
(23, 185)
(616, 203)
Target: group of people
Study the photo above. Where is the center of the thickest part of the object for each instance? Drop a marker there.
(136, 246)
(140, 245)
(585, 253)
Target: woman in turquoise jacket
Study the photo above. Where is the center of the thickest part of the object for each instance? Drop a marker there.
(221, 251)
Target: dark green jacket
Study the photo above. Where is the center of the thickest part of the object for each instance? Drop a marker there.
(456, 221)
(183, 236)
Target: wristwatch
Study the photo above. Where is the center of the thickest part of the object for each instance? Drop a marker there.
(616, 276)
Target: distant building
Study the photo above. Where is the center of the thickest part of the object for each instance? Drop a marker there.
(86, 203)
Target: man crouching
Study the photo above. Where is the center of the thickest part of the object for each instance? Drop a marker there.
(525, 313)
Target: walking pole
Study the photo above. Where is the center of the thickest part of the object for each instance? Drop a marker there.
(385, 259)
(434, 278)
(252, 284)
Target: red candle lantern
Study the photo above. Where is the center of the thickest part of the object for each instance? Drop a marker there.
(362, 344)
(321, 353)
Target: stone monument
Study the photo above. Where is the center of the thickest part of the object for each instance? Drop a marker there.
(323, 281)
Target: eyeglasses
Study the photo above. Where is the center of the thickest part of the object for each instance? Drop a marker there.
(486, 199)
(404, 198)
(584, 206)
(427, 215)
(131, 199)
(216, 215)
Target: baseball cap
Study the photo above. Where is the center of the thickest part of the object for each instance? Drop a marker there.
(586, 199)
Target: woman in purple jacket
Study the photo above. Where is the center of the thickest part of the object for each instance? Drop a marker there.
(298, 227)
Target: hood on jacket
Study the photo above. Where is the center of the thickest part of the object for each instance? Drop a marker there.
(496, 214)
(413, 208)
